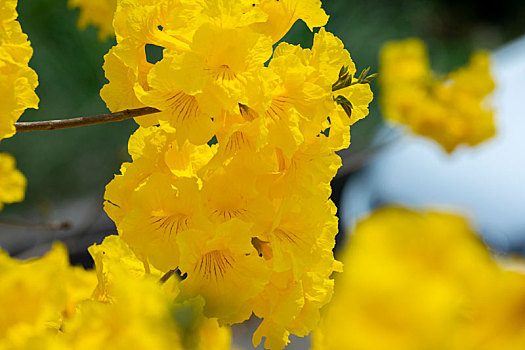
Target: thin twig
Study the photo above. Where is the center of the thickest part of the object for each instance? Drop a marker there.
(167, 276)
(84, 121)
(52, 226)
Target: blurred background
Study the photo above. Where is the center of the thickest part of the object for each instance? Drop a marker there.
(67, 170)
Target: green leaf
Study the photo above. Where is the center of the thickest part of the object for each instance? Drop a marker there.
(343, 71)
(369, 78)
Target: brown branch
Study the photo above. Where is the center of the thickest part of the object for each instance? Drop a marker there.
(52, 226)
(84, 121)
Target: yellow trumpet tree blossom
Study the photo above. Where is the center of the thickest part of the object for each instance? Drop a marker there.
(421, 280)
(453, 110)
(230, 182)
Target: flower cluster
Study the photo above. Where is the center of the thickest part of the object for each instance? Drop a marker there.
(48, 304)
(17, 91)
(17, 81)
(422, 280)
(98, 13)
(451, 110)
(230, 182)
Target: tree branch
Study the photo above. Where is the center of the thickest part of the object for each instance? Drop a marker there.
(84, 121)
(52, 226)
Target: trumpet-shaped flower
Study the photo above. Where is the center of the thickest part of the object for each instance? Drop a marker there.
(162, 211)
(179, 109)
(224, 268)
(224, 64)
(17, 81)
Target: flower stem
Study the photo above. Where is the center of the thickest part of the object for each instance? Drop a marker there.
(84, 121)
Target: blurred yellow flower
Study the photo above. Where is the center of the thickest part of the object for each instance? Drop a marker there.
(114, 258)
(452, 110)
(48, 304)
(12, 181)
(98, 13)
(421, 280)
(39, 295)
(132, 309)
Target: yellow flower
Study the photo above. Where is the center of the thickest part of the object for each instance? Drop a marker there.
(247, 221)
(222, 265)
(302, 231)
(360, 95)
(17, 88)
(290, 307)
(420, 280)
(308, 171)
(119, 93)
(14, 46)
(98, 13)
(298, 247)
(283, 14)
(188, 160)
(137, 316)
(179, 109)
(12, 183)
(199, 332)
(451, 110)
(148, 148)
(302, 96)
(162, 210)
(39, 294)
(131, 309)
(233, 13)
(48, 304)
(240, 133)
(410, 58)
(301, 99)
(166, 23)
(497, 322)
(158, 194)
(279, 304)
(224, 65)
(113, 258)
(241, 201)
(137, 24)
(17, 81)
(328, 54)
